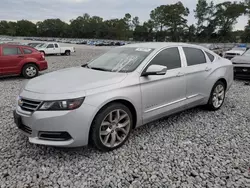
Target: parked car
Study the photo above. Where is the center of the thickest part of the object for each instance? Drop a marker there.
(242, 65)
(54, 48)
(102, 101)
(215, 48)
(21, 60)
(236, 51)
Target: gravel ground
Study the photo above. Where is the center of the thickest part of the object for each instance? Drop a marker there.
(195, 148)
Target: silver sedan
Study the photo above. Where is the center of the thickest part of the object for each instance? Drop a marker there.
(102, 101)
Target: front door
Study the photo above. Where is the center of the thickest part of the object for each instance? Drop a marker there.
(164, 94)
(50, 49)
(10, 60)
(57, 49)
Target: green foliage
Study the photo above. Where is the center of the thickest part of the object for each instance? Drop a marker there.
(167, 23)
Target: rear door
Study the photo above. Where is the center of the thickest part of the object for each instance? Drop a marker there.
(11, 59)
(197, 71)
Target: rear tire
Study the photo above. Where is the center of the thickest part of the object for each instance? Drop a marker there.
(67, 53)
(30, 71)
(217, 96)
(111, 127)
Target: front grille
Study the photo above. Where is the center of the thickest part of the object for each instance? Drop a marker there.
(25, 129)
(29, 105)
(242, 70)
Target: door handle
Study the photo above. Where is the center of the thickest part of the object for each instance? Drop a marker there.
(180, 74)
(208, 69)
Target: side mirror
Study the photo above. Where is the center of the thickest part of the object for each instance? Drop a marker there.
(155, 70)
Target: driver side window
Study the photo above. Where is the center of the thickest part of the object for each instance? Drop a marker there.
(169, 57)
(50, 46)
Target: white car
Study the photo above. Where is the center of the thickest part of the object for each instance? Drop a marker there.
(236, 51)
(54, 48)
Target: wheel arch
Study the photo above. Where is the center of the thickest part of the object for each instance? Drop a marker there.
(125, 102)
(28, 63)
(223, 80)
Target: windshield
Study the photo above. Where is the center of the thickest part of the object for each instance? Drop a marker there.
(120, 59)
(43, 45)
(247, 53)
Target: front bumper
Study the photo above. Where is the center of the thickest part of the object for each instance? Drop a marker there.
(242, 71)
(75, 124)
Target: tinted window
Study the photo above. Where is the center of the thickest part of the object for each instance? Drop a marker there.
(56, 45)
(210, 56)
(169, 57)
(50, 46)
(194, 56)
(11, 51)
(27, 51)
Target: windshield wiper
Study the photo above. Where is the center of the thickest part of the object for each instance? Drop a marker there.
(86, 65)
(100, 69)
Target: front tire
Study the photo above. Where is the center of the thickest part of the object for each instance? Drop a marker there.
(111, 127)
(217, 96)
(30, 71)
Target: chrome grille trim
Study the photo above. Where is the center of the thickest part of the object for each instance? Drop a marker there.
(29, 104)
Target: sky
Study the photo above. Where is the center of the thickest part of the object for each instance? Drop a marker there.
(37, 10)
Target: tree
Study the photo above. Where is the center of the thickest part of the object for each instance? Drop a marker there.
(206, 22)
(201, 13)
(25, 28)
(246, 34)
(174, 19)
(8, 28)
(158, 17)
(135, 22)
(52, 28)
(226, 16)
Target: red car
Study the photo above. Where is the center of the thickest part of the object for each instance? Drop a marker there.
(21, 60)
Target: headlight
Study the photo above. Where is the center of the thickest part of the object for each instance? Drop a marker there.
(70, 104)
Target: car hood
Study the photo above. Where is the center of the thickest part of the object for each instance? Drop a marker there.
(241, 59)
(235, 52)
(72, 80)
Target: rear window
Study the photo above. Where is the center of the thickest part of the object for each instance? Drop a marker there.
(27, 51)
(194, 56)
(11, 51)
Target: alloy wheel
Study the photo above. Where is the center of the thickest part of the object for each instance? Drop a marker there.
(218, 96)
(115, 128)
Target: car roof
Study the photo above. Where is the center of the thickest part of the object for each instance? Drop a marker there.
(159, 45)
(18, 45)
